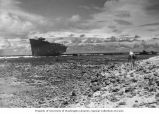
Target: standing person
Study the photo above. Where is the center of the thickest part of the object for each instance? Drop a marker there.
(132, 58)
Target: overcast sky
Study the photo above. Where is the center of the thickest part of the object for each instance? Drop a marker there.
(18, 18)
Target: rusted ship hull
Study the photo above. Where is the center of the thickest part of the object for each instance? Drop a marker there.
(40, 47)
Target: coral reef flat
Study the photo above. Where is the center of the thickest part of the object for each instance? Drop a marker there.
(73, 82)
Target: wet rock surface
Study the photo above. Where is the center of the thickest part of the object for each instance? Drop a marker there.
(72, 84)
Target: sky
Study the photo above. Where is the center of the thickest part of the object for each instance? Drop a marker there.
(20, 19)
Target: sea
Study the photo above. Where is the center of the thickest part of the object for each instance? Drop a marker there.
(83, 59)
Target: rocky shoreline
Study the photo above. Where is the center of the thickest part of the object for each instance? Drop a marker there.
(125, 88)
(76, 85)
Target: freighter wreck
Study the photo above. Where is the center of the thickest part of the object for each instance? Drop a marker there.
(40, 47)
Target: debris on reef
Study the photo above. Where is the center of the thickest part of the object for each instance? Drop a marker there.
(79, 85)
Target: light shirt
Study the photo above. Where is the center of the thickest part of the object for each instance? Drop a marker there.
(131, 53)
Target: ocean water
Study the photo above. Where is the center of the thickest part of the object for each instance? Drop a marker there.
(83, 59)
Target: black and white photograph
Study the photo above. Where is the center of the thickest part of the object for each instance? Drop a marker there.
(79, 54)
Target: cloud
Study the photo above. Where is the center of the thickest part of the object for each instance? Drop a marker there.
(123, 14)
(150, 24)
(13, 24)
(54, 35)
(4, 43)
(116, 31)
(152, 30)
(14, 20)
(75, 18)
(85, 7)
(123, 22)
(152, 7)
(126, 16)
(91, 7)
(12, 7)
(112, 27)
(16, 46)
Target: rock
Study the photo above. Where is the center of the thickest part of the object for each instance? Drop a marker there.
(73, 93)
(157, 97)
(157, 82)
(104, 88)
(113, 99)
(95, 88)
(122, 103)
(42, 101)
(128, 90)
(135, 106)
(94, 80)
(96, 94)
(152, 106)
(134, 80)
(156, 73)
(90, 95)
(65, 103)
(105, 74)
(115, 90)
